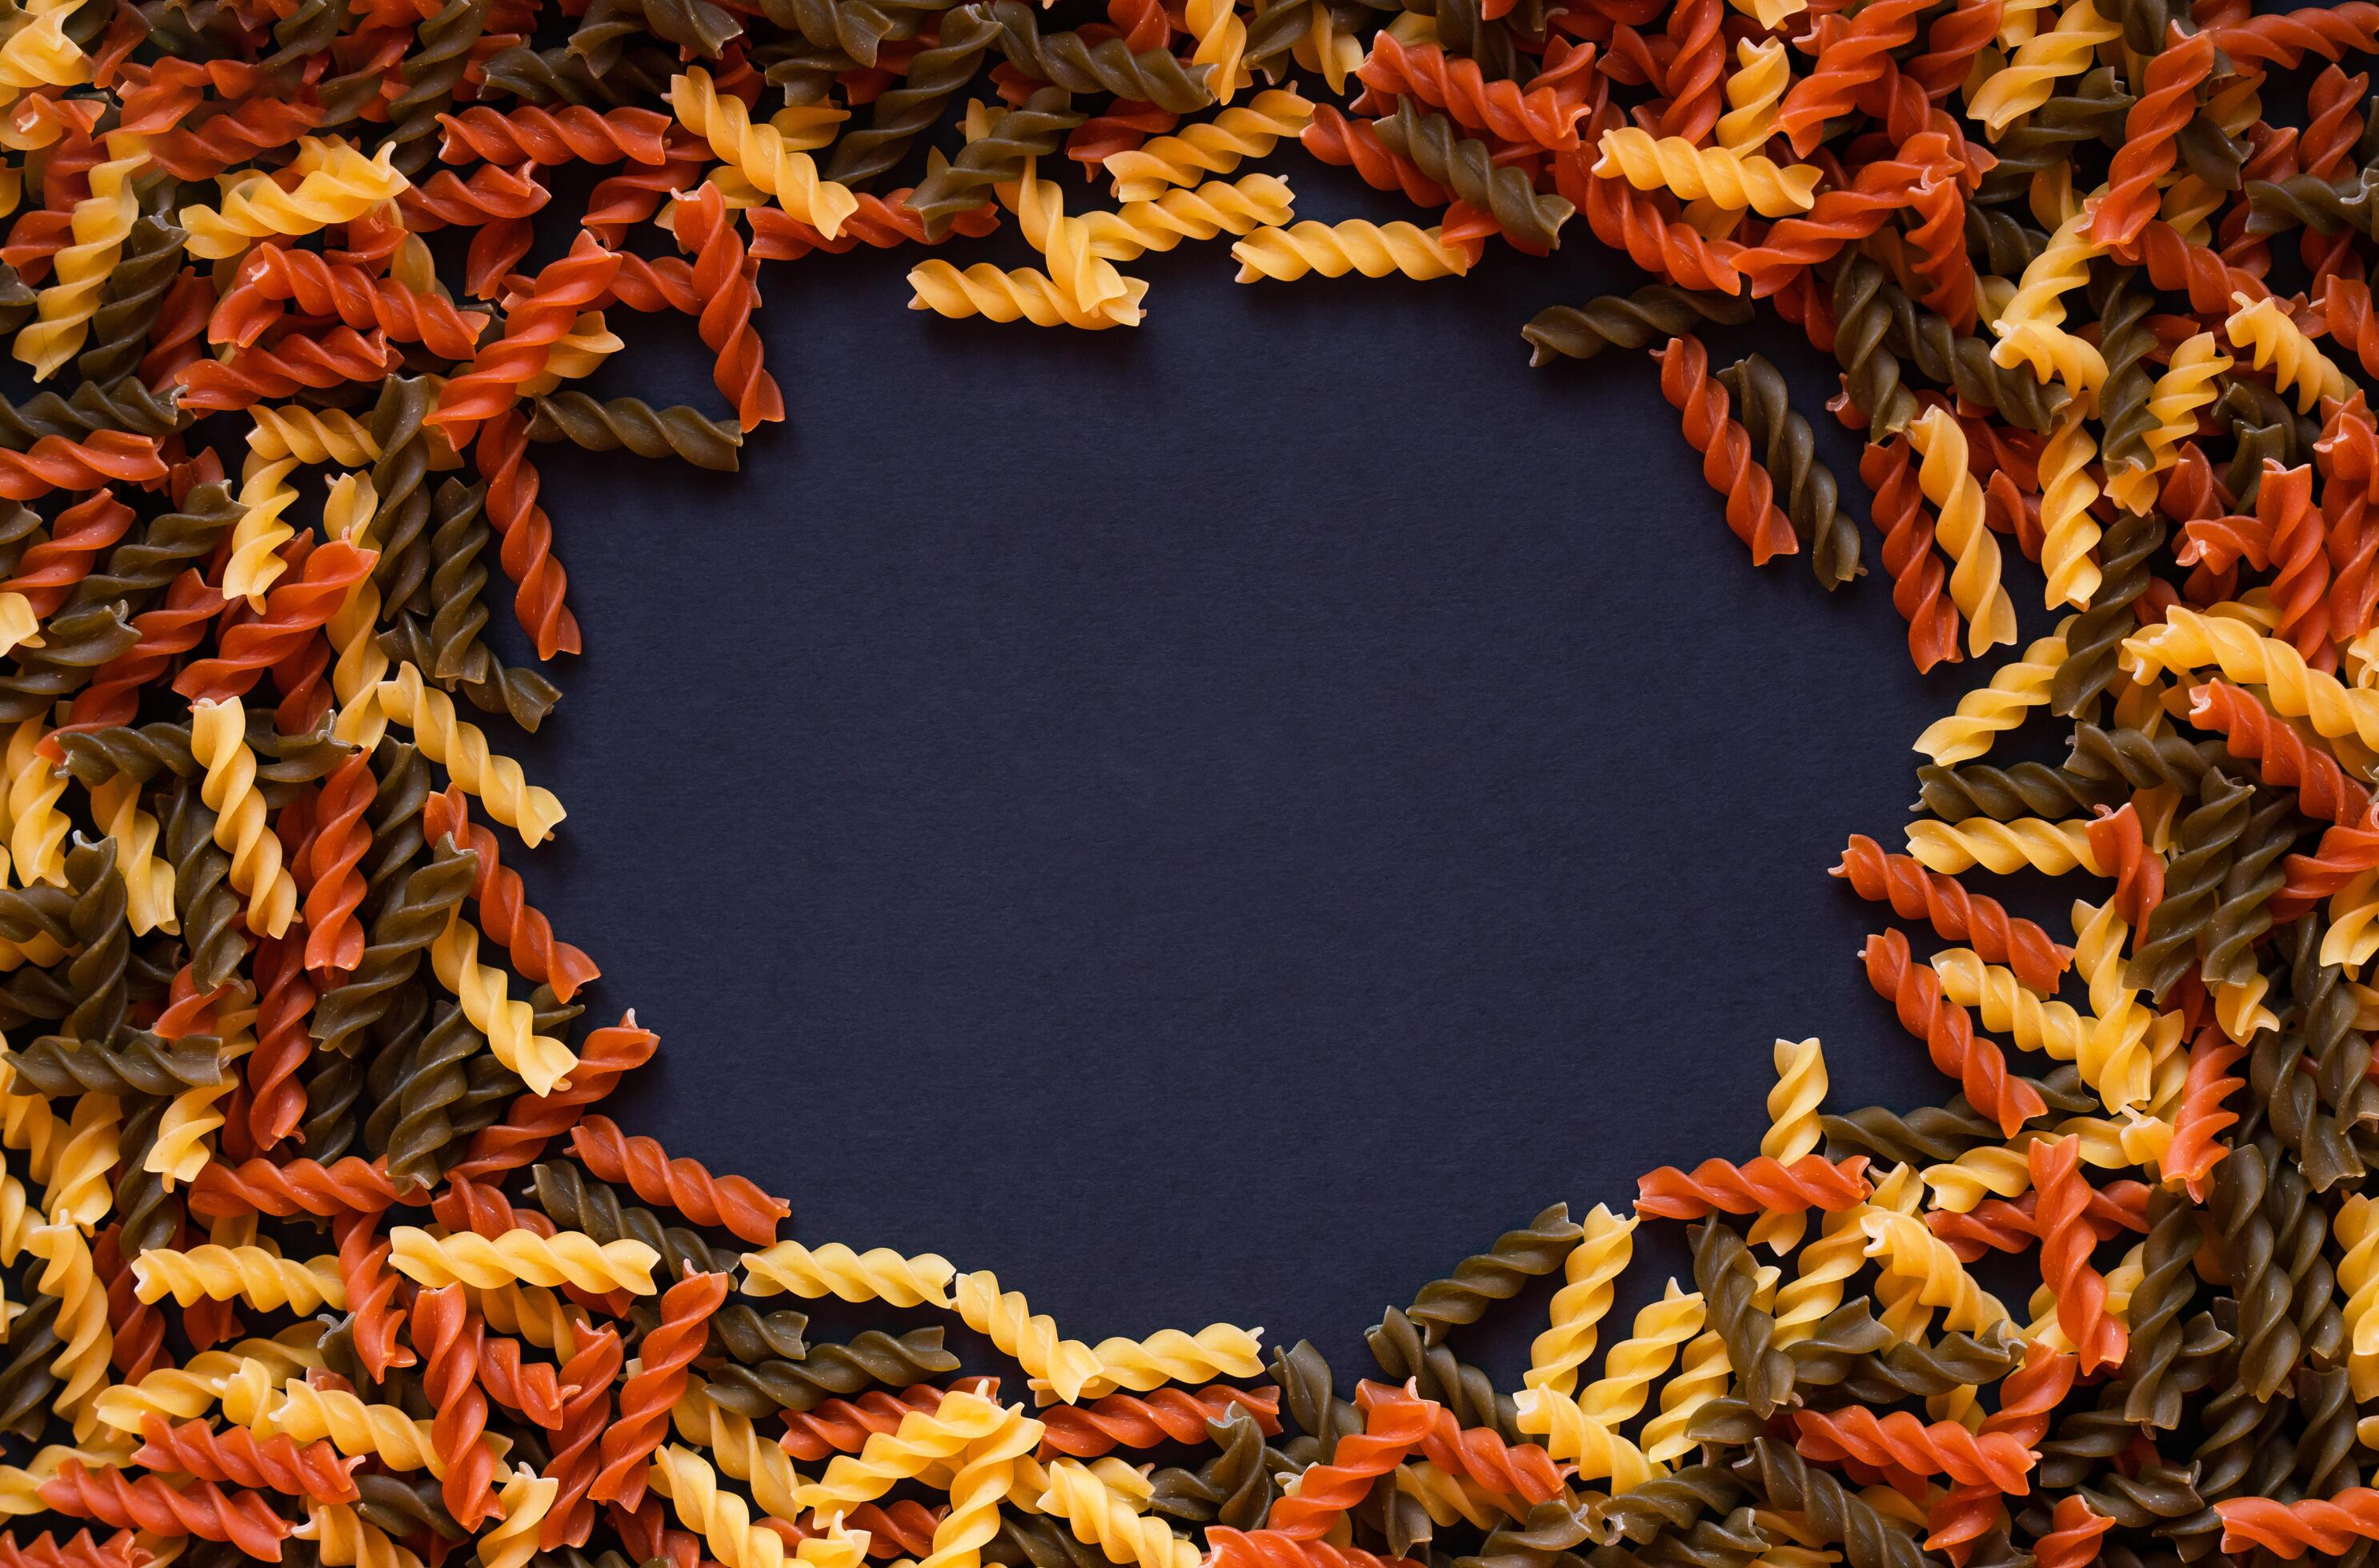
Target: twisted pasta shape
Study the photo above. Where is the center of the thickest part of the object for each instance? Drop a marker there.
(1376, 250)
(1605, 1244)
(2329, 1526)
(2186, 388)
(1085, 1432)
(1585, 1429)
(1793, 1131)
(660, 1381)
(1021, 293)
(1763, 1185)
(238, 1274)
(1908, 1250)
(462, 749)
(2041, 62)
(2066, 493)
(1217, 207)
(1998, 1460)
(1731, 180)
(1210, 147)
(1066, 1365)
(2065, 1245)
(343, 1539)
(1100, 1518)
(1949, 484)
(2053, 848)
(101, 223)
(760, 153)
(989, 1471)
(201, 1509)
(523, 1257)
(2187, 640)
(338, 185)
(311, 436)
(258, 537)
(238, 1457)
(2280, 346)
(2007, 1007)
(1725, 446)
(924, 1439)
(1532, 115)
(1950, 1039)
(81, 1362)
(1219, 1350)
(877, 1274)
(2249, 730)
(721, 1518)
(510, 1025)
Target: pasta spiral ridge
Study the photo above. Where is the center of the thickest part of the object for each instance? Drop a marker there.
(1353, 245)
(1915, 991)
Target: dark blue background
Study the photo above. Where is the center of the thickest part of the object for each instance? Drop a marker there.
(1214, 821)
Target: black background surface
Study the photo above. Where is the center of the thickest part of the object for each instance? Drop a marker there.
(1215, 821)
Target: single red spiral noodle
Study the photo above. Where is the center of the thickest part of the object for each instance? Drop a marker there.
(180, 333)
(535, 1120)
(2175, 266)
(647, 1396)
(294, 363)
(297, 607)
(1127, 126)
(335, 938)
(1919, 581)
(241, 1519)
(348, 1185)
(237, 1458)
(2329, 1526)
(2167, 101)
(724, 281)
(444, 1332)
(1541, 116)
(1763, 1183)
(731, 1202)
(1830, 89)
(235, 134)
(274, 275)
(1394, 1425)
(585, 1413)
(567, 134)
(2346, 305)
(372, 1294)
(492, 194)
(1516, 1469)
(121, 1550)
(1838, 219)
(526, 553)
(654, 285)
(1695, 67)
(2198, 1126)
(1963, 1515)
(2284, 38)
(1725, 447)
(59, 463)
(2117, 841)
(1955, 914)
(1951, 44)
(2065, 1244)
(527, 1388)
(506, 916)
(2252, 731)
(2001, 1224)
(1915, 991)
(1637, 222)
(2073, 1539)
(1908, 1442)
(1123, 1421)
(492, 384)
(49, 570)
(1937, 240)
(276, 1099)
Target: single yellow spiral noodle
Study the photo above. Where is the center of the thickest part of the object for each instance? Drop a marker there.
(2031, 325)
(39, 53)
(1973, 551)
(2188, 640)
(877, 1274)
(1168, 1356)
(510, 1025)
(148, 876)
(1589, 1276)
(888, 1458)
(100, 222)
(2068, 531)
(1376, 250)
(2281, 346)
(1908, 1250)
(219, 742)
(1217, 207)
(2041, 62)
(353, 628)
(1731, 180)
(1448, 1500)
(312, 436)
(461, 748)
(1066, 1365)
(181, 1394)
(533, 1312)
(346, 1422)
(2187, 386)
(1762, 73)
(81, 1364)
(263, 1280)
(81, 1188)
(2358, 1275)
(2003, 1005)
(1702, 1374)
(1793, 1130)
(1222, 41)
(1100, 1518)
(1021, 293)
(739, 1450)
(989, 1469)
(256, 539)
(2051, 848)
(566, 1256)
(1209, 147)
(37, 830)
(2114, 1057)
(339, 186)
(1089, 282)
(760, 153)
(723, 1519)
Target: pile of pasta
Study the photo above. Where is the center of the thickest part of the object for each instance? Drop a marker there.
(317, 1246)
